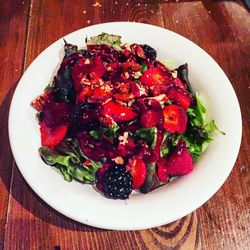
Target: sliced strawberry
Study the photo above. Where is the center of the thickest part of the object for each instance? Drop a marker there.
(156, 80)
(174, 119)
(179, 83)
(138, 171)
(50, 138)
(102, 93)
(153, 77)
(84, 94)
(150, 118)
(179, 162)
(160, 65)
(118, 111)
(178, 96)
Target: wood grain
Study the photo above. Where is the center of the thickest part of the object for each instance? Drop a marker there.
(222, 28)
(13, 20)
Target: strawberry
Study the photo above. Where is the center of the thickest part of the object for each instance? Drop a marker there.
(138, 171)
(178, 96)
(156, 80)
(50, 138)
(102, 93)
(153, 77)
(179, 162)
(179, 83)
(150, 118)
(174, 119)
(84, 94)
(118, 111)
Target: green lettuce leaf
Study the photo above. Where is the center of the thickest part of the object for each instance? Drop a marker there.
(169, 64)
(69, 49)
(94, 134)
(152, 181)
(144, 67)
(149, 135)
(105, 38)
(109, 132)
(199, 131)
(71, 161)
(165, 150)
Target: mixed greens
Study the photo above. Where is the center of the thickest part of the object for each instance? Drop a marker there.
(116, 117)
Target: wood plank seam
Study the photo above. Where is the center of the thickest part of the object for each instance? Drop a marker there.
(27, 35)
(161, 16)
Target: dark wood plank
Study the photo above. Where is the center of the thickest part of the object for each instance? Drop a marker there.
(13, 20)
(31, 223)
(222, 29)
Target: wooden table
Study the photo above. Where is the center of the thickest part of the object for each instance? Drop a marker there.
(222, 28)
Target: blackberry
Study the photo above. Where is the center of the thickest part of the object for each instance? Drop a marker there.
(87, 115)
(117, 183)
(149, 51)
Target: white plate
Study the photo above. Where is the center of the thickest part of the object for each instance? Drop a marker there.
(166, 204)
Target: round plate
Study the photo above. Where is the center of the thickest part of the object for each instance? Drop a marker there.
(166, 204)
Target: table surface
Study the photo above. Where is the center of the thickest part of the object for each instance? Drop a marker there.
(222, 28)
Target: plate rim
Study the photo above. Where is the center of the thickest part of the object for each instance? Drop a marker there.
(18, 163)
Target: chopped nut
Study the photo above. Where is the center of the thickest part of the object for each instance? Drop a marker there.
(87, 61)
(142, 90)
(130, 102)
(118, 160)
(123, 138)
(174, 74)
(159, 97)
(85, 81)
(137, 74)
(125, 75)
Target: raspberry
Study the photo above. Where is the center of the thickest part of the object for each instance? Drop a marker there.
(117, 183)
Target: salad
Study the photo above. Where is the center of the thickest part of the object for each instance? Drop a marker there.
(117, 118)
